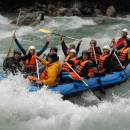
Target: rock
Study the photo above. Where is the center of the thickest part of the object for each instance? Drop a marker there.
(62, 11)
(111, 11)
(97, 11)
(76, 11)
(69, 12)
(87, 11)
(29, 18)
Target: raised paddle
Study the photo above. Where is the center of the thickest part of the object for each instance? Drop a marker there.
(49, 32)
(83, 81)
(16, 26)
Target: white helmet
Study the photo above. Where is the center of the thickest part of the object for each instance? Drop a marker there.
(107, 47)
(125, 30)
(32, 48)
(73, 51)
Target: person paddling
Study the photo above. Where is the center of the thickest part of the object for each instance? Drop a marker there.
(51, 73)
(84, 67)
(121, 41)
(66, 50)
(30, 55)
(13, 64)
(94, 49)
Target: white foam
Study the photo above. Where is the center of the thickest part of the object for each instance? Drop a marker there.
(4, 20)
(45, 110)
(67, 23)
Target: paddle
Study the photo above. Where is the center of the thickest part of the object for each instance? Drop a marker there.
(37, 70)
(120, 64)
(16, 26)
(102, 89)
(83, 81)
(49, 32)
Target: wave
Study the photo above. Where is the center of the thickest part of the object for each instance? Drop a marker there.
(68, 23)
(46, 110)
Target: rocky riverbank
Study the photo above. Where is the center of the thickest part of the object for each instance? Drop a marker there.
(34, 10)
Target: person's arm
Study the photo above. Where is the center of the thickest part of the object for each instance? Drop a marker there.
(19, 45)
(44, 62)
(64, 46)
(78, 47)
(43, 49)
(98, 50)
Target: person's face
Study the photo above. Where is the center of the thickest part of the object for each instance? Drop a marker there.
(72, 54)
(106, 51)
(84, 56)
(53, 51)
(16, 56)
(93, 43)
(32, 52)
(123, 34)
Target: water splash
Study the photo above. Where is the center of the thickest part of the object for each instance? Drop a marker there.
(46, 110)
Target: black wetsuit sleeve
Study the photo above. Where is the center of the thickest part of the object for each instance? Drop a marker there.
(78, 47)
(107, 65)
(43, 49)
(64, 48)
(20, 46)
(98, 50)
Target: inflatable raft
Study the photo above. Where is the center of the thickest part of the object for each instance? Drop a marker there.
(114, 78)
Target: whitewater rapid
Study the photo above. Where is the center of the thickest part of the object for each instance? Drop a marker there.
(44, 110)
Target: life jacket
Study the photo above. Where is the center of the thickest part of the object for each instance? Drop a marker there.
(101, 63)
(90, 71)
(65, 67)
(44, 74)
(31, 63)
(120, 42)
(123, 54)
(92, 57)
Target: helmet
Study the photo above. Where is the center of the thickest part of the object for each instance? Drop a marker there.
(106, 47)
(73, 51)
(32, 48)
(125, 30)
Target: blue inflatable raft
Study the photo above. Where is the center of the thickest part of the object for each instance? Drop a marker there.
(72, 88)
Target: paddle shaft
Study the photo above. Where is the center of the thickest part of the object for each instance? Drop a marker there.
(102, 89)
(82, 80)
(66, 36)
(16, 26)
(37, 70)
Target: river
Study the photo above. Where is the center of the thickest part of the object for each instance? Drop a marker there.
(45, 110)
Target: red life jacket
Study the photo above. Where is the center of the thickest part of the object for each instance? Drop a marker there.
(120, 42)
(92, 57)
(65, 67)
(31, 63)
(123, 54)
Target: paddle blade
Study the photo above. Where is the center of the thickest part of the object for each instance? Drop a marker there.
(44, 30)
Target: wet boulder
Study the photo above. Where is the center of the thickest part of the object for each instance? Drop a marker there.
(29, 18)
(111, 11)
